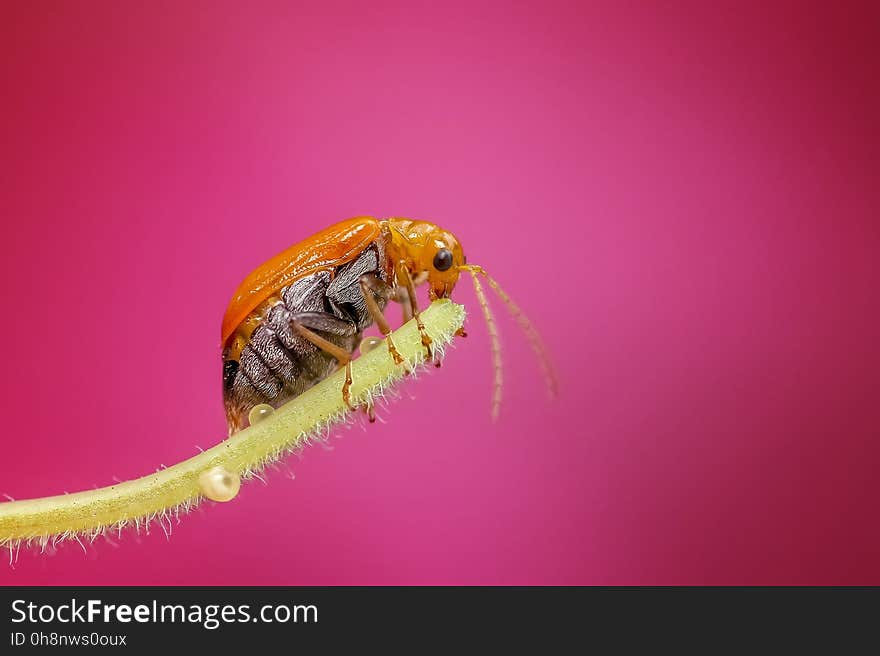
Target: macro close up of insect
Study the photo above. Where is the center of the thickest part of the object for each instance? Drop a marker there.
(302, 312)
(296, 364)
(304, 295)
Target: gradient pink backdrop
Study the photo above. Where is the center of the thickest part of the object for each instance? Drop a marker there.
(685, 200)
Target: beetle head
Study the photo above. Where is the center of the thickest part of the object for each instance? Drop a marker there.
(427, 250)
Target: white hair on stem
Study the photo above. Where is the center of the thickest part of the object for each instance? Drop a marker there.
(171, 492)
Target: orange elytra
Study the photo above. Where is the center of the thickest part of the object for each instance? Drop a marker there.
(332, 247)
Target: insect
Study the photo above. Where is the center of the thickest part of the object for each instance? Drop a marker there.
(301, 315)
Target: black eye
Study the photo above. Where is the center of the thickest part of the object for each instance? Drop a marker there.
(443, 259)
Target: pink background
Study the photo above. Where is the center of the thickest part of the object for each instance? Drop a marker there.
(685, 200)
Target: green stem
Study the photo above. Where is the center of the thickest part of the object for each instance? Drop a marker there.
(289, 427)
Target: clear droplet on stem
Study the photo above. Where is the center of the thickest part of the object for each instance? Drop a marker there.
(259, 412)
(219, 484)
(369, 343)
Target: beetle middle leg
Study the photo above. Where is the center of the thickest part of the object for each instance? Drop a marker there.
(371, 285)
(305, 323)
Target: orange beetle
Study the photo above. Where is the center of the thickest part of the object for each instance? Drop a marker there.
(299, 316)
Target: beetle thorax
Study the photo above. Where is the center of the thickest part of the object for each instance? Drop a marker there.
(405, 240)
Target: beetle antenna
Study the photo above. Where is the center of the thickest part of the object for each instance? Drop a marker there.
(492, 328)
(527, 327)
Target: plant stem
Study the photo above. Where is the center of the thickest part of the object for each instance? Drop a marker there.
(156, 495)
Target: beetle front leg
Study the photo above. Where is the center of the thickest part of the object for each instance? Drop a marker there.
(401, 296)
(403, 274)
(370, 285)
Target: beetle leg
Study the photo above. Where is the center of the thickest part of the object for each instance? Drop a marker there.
(401, 295)
(371, 285)
(342, 356)
(403, 273)
(405, 305)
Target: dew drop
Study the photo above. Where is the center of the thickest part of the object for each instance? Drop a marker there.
(369, 343)
(259, 412)
(219, 484)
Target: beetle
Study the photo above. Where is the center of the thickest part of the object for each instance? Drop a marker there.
(301, 315)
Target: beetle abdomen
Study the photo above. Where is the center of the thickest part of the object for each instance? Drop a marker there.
(276, 363)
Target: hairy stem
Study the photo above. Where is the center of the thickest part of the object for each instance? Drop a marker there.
(248, 451)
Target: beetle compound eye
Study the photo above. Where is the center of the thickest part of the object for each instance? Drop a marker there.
(443, 259)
